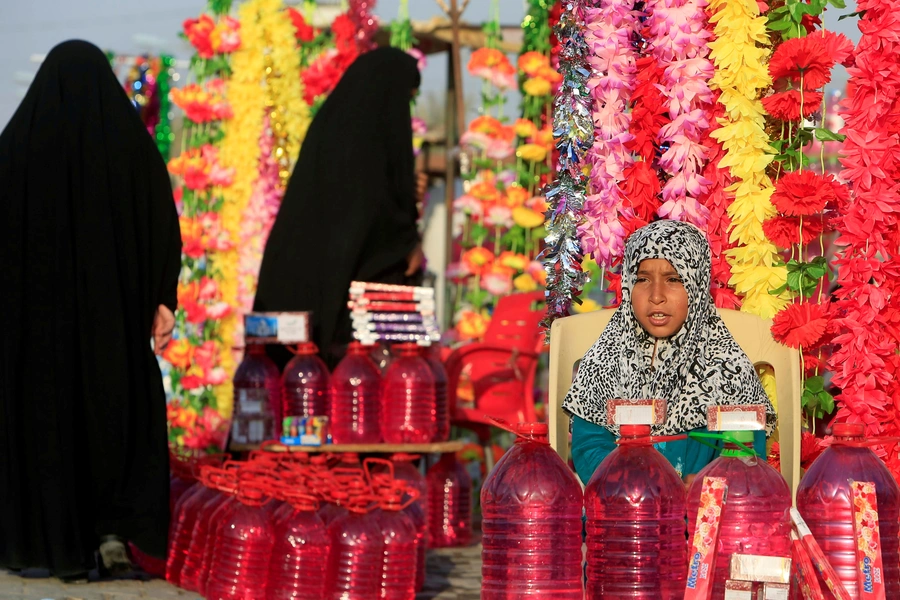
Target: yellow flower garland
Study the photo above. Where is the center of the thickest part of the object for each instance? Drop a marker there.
(265, 29)
(739, 52)
(285, 87)
(239, 149)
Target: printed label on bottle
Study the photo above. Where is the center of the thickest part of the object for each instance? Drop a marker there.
(252, 401)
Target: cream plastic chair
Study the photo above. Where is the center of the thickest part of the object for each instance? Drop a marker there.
(571, 337)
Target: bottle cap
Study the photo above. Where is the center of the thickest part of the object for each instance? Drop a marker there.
(634, 430)
(532, 429)
(848, 430)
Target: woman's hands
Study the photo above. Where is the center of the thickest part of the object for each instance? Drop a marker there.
(163, 325)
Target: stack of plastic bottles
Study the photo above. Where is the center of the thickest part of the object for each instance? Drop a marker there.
(289, 526)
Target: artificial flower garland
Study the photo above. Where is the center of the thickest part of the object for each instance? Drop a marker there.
(609, 31)
(678, 43)
(739, 52)
(865, 363)
(573, 131)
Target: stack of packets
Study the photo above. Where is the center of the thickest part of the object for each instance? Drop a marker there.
(393, 313)
(305, 431)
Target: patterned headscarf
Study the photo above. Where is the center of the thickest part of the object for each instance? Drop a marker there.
(699, 366)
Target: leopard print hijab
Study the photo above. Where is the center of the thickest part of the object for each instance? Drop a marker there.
(699, 366)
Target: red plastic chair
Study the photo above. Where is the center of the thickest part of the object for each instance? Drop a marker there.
(501, 369)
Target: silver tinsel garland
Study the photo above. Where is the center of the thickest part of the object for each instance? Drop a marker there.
(573, 132)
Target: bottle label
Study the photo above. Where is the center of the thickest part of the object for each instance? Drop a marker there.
(870, 568)
(702, 553)
(252, 401)
(744, 417)
(750, 567)
(636, 411)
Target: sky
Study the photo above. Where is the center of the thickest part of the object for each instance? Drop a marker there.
(126, 26)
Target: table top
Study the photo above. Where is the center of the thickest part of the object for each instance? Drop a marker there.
(432, 448)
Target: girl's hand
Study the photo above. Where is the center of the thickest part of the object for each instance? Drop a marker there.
(163, 325)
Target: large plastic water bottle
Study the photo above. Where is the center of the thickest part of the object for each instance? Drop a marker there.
(635, 507)
(449, 503)
(356, 398)
(257, 398)
(756, 516)
(356, 563)
(531, 507)
(399, 546)
(441, 407)
(193, 576)
(824, 502)
(407, 406)
(300, 554)
(305, 384)
(184, 520)
(240, 566)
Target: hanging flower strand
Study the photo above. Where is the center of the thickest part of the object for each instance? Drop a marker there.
(739, 51)
(573, 131)
(679, 35)
(609, 32)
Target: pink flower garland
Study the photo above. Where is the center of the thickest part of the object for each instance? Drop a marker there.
(865, 363)
(258, 218)
(609, 31)
(678, 38)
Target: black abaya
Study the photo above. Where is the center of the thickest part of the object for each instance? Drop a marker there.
(349, 212)
(89, 248)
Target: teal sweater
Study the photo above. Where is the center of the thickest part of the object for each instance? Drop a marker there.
(592, 443)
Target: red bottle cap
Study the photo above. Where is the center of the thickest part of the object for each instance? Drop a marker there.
(532, 429)
(634, 430)
(848, 430)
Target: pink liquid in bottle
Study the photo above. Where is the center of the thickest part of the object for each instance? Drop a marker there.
(305, 384)
(407, 406)
(449, 504)
(824, 502)
(531, 504)
(636, 534)
(356, 398)
(300, 554)
(755, 518)
(257, 398)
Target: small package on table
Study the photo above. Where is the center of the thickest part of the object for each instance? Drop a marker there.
(738, 590)
(770, 569)
(702, 552)
(277, 327)
(306, 431)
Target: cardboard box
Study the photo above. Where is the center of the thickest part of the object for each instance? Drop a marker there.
(774, 591)
(738, 590)
(736, 418)
(869, 564)
(750, 567)
(636, 411)
(702, 552)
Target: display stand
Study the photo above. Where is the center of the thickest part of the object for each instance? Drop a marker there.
(433, 448)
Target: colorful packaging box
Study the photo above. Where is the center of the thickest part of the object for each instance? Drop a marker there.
(805, 573)
(305, 431)
(702, 553)
(276, 327)
(870, 568)
(823, 567)
(738, 590)
(636, 411)
(750, 567)
(774, 591)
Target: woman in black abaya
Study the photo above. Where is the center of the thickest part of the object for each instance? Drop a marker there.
(89, 259)
(349, 212)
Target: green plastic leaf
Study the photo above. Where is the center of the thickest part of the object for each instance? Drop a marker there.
(815, 385)
(824, 135)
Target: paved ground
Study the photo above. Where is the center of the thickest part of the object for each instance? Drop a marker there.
(453, 574)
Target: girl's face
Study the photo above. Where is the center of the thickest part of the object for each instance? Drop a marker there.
(659, 300)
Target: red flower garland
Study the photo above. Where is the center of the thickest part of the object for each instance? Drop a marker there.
(865, 363)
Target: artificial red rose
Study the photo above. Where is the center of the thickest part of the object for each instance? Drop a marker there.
(802, 193)
(320, 78)
(838, 46)
(800, 325)
(786, 105)
(344, 33)
(804, 61)
(810, 23)
(198, 32)
(303, 31)
(785, 232)
(640, 187)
